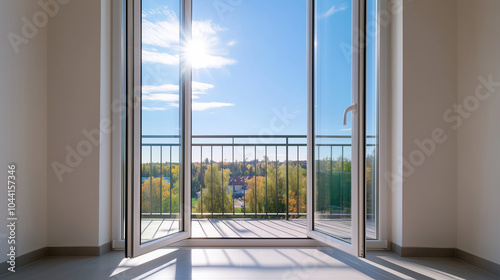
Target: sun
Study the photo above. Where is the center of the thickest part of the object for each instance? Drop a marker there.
(197, 53)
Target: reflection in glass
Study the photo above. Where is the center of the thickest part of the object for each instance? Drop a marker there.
(371, 123)
(332, 94)
(161, 139)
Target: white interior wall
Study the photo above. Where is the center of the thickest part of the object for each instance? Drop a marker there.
(47, 106)
(423, 206)
(479, 135)
(429, 90)
(23, 126)
(74, 106)
(105, 148)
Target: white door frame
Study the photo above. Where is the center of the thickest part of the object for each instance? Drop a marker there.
(134, 90)
(130, 84)
(357, 246)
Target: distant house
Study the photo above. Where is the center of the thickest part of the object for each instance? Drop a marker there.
(238, 184)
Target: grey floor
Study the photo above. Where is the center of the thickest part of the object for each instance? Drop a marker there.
(247, 263)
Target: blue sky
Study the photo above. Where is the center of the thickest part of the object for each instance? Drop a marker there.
(249, 66)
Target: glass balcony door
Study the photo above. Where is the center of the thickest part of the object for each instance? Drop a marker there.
(336, 131)
(158, 169)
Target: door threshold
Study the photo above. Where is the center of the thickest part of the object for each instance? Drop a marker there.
(248, 242)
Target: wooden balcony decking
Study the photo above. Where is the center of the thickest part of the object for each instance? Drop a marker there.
(248, 228)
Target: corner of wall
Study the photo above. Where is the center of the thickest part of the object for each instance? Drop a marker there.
(23, 124)
(395, 68)
(478, 132)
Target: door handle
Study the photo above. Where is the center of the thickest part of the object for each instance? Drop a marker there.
(352, 108)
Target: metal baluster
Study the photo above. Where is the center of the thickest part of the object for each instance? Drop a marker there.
(232, 155)
(266, 175)
(211, 179)
(342, 184)
(255, 175)
(143, 170)
(318, 159)
(244, 189)
(276, 163)
(286, 168)
(203, 182)
(171, 181)
(331, 172)
(161, 180)
(151, 180)
(298, 190)
(222, 180)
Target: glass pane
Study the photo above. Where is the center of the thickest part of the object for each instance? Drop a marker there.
(371, 122)
(161, 196)
(332, 95)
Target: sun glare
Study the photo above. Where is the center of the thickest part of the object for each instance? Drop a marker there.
(197, 54)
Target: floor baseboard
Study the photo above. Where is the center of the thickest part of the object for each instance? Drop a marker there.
(469, 258)
(80, 251)
(479, 262)
(25, 259)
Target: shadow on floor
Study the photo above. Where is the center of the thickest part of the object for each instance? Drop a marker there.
(248, 263)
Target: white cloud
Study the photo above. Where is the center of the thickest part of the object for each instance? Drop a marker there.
(200, 88)
(202, 28)
(197, 87)
(162, 46)
(161, 97)
(161, 33)
(165, 34)
(162, 10)
(201, 61)
(334, 9)
(211, 61)
(202, 106)
(161, 88)
(170, 92)
(160, 57)
(153, 108)
(173, 101)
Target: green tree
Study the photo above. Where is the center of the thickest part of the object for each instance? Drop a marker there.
(215, 193)
(157, 196)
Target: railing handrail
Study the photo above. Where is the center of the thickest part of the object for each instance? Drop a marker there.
(284, 142)
(252, 136)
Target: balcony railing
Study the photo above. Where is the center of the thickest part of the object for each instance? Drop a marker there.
(246, 176)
